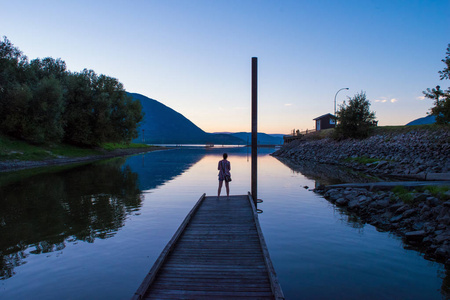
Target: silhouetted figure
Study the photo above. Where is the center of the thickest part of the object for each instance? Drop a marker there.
(224, 168)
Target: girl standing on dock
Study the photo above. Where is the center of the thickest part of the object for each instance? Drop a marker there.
(224, 168)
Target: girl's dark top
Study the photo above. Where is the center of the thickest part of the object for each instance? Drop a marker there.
(223, 165)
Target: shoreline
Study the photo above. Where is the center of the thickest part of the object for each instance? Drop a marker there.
(417, 210)
(423, 222)
(19, 165)
(420, 154)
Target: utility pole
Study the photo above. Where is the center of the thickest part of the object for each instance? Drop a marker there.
(255, 129)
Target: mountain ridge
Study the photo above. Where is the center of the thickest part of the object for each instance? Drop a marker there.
(423, 121)
(164, 125)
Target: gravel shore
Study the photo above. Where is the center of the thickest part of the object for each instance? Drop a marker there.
(416, 154)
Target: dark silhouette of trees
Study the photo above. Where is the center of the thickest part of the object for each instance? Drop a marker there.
(40, 101)
(355, 119)
(441, 109)
(45, 212)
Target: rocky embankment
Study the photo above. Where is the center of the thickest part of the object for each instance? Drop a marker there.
(423, 221)
(420, 154)
(420, 217)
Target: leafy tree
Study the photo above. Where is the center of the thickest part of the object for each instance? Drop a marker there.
(79, 113)
(355, 119)
(46, 111)
(15, 94)
(14, 104)
(441, 109)
(42, 102)
(98, 110)
(48, 67)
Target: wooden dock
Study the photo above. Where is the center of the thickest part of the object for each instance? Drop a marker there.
(218, 252)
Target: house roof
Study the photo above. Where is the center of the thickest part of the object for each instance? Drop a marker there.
(325, 115)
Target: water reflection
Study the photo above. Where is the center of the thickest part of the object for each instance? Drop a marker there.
(312, 243)
(156, 168)
(325, 174)
(42, 213)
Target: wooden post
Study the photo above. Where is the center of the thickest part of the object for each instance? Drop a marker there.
(255, 128)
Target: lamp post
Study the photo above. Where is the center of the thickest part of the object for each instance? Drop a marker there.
(335, 99)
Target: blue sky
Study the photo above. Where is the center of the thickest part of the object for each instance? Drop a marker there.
(195, 56)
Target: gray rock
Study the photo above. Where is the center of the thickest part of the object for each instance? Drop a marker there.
(342, 201)
(362, 198)
(420, 197)
(382, 164)
(395, 206)
(353, 204)
(382, 203)
(445, 220)
(396, 219)
(415, 171)
(441, 238)
(443, 251)
(351, 195)
(429, 227)
(418, 225)
(438, 231)
(401, 209)
(348, 191)
(444, 212)
(409, 212)
(424, 209)
(415, 235)
(433, 201)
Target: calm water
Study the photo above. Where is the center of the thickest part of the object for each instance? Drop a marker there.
(94, 231)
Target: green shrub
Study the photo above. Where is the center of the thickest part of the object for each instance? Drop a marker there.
(404, 195)
(355, 120)
(362, 160)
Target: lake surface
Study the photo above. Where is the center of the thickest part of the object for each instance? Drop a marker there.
(94, 231)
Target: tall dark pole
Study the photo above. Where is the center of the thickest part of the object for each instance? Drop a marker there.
(255, 128)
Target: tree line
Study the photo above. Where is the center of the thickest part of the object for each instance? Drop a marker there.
(441, 98)
(41, 102)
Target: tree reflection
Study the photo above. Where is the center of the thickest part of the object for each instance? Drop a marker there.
(40, 214)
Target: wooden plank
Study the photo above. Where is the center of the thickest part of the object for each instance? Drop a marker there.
(157, 265)
(218, 252)
(276, 288)
(216, 280)
(176, 293)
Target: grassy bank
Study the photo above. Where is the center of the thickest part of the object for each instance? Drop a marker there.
(418, 195)
(12, 149)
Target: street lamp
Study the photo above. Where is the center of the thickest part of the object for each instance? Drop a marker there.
(335, 99)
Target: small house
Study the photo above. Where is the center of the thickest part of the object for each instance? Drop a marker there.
(325, 122)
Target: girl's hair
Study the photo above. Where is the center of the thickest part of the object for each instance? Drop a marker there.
(225, 156)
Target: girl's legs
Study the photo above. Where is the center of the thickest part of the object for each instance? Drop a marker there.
(220, 188)
(227, 185)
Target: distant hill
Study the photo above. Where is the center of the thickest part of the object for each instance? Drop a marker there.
(163, 125)
(263, 138)
(423, 121)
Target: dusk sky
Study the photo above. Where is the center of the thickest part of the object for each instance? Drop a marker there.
(195, 56)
